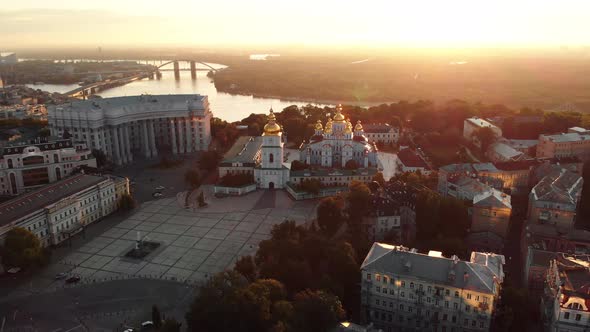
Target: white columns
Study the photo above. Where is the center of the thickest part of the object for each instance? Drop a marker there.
(127, 140)
(173, 137)
(153, 139)
(180, 137)
(189, 136)
(145, 138)
(117, 150)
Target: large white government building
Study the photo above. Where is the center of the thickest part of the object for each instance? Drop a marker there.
(127, 127)
(27, 166)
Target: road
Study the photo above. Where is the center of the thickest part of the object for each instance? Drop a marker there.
(97, 307)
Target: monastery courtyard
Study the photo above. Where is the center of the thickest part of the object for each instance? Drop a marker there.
(195, 243)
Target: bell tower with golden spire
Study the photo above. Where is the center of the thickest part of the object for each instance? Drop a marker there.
(271, 173)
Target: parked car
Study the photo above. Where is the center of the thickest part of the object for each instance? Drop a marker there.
(60, 275)
(147, 325)
(160, 188)
(73, 279)
(157, 195)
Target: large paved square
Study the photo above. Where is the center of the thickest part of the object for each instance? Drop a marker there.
(194, 243)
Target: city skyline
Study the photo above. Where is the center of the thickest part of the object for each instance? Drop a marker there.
(375, 23)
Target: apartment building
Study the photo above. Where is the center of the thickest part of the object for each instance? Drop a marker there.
(402, 289)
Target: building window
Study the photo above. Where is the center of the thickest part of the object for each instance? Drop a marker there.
(566, 315)
(456, 293)
(578, 317)
(368, 276)
(271, 158)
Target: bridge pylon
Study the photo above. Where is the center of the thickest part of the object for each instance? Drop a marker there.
(176, 71)
(193, 70)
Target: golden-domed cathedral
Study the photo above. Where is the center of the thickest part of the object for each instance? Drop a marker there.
(334, 144)
(331, 147)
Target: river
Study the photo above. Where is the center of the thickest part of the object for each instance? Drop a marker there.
(224, 105)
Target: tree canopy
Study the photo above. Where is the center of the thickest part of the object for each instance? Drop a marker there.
(22, 249)
(330, 214)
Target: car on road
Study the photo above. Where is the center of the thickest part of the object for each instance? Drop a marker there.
(147, 326)
(60, 275)
(157, 195)
(129, 330)
(160, 188)
(73, 279)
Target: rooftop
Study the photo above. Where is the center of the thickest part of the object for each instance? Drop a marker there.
(410, 158)
(244, 150)
(492, 198)
(566, 137)
(53, 144)
(377, 128)
(28, 203)
(335, 172)
(135, 104)
(560, 185)
(480, 122)
(506, 151)
(478, 274)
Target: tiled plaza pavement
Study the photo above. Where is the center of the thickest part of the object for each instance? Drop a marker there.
(193, 244)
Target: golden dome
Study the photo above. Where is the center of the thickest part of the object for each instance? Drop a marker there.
(358, 126)
(348, 128)
(328, 128)
(318, 125)
(339, 117)
(272, 128)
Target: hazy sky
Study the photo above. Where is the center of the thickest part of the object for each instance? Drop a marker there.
(383, 23)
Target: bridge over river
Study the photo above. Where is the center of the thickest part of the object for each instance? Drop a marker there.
(92, 88)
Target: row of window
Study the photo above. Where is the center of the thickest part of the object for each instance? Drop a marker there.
(428, 300)
(389, 317)
(429, 289)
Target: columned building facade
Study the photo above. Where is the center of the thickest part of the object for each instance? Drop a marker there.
(128, 127)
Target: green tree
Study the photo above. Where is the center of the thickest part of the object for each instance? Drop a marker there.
(217, 300)
(246, 267)
(201, 199)
(156, 316)
(316, 311)
(22, 249)
(44, 132)
(312, 186)
(357, 201)
(209, 160)
(297, 165)
(101, 158)
(330, 214)
(228, 294)
(126, 202)
(351, 165)
(379, 179)
(485, 136)
(192, 178)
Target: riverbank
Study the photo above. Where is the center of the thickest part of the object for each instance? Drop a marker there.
(325, 102)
